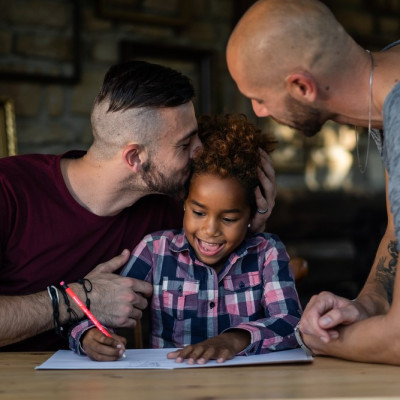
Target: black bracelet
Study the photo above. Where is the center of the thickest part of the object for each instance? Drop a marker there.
(73, 316)
(55, 300)
(87, 290)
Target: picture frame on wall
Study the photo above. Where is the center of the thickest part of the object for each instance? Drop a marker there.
(176, 13)
(8, 136)
(32, 56)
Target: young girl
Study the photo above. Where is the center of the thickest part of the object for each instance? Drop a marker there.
(219, 291)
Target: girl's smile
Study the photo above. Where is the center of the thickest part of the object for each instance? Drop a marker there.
(207, 248)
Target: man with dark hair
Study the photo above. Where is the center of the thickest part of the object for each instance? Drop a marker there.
(66, 217)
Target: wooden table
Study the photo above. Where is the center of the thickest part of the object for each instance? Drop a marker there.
(325, 378)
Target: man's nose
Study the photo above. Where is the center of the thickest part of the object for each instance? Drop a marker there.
(259, 109)
(195, 145)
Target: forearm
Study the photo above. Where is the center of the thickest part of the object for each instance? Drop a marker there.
(377, 293)
(373, 339)
(26, 316)
(370, 340)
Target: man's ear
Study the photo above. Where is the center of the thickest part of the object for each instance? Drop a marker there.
(134, 156)
(302, 86)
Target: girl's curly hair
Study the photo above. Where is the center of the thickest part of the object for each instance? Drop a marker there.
(230, 150)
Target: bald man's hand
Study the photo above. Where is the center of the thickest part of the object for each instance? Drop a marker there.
(324, 313)
(265, 199)
(117, 301)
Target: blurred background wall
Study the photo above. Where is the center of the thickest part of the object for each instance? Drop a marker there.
(53, 57)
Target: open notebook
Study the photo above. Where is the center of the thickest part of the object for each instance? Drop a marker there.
(157, 359)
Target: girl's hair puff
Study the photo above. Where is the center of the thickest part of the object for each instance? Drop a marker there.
(231, 150)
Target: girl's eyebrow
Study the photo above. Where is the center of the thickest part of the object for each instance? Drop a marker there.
(228, 210)
(196, 203)
(232, 210)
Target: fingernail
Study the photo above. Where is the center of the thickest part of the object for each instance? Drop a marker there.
(334, 335)
(325, 321)
(324, 339)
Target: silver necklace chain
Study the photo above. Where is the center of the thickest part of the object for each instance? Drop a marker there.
(371, 76)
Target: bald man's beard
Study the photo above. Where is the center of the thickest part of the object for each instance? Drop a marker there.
(305, 119)
(157, 182)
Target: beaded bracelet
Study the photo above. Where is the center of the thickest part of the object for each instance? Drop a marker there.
(55, 300)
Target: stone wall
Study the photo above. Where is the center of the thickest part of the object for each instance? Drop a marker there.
(372, 23)
(37, 44)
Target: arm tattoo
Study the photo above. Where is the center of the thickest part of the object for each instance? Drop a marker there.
(386, 274)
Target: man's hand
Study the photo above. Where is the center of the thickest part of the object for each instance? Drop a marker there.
(222, 347)
(265, 200)
(326, 311)
(99, 347)
(117, 301)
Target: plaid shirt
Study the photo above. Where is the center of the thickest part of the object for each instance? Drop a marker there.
(253, 291)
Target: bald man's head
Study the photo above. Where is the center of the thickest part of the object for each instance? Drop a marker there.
(275, 37)
(287, 56)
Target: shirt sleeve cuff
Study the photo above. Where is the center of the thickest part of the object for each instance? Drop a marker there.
(75, 336)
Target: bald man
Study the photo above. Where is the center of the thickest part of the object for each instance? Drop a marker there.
(299, 66)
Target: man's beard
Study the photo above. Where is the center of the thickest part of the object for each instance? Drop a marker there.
(305, 119)
(157, 182)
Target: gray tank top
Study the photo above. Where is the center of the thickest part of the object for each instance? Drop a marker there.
(376, 134)
(389, 145)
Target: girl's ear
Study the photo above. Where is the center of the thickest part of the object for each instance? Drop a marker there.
(302, 86)
(134, 155)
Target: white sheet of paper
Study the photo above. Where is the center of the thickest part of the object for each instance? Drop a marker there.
(157, 359)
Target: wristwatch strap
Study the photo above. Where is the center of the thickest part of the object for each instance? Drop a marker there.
(299, 339)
